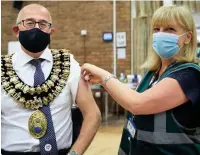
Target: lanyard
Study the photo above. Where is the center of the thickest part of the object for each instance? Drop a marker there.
(156, 77)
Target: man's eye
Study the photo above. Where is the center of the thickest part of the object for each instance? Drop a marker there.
(43, 24)
(29, 22)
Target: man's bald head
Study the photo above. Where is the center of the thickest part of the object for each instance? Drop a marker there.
(34, 11)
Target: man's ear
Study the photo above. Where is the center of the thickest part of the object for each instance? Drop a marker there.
(188, 37)
(16, 30)
(52, 31)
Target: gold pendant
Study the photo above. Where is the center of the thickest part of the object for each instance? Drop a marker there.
(37, 124)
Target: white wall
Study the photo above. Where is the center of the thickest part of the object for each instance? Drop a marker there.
(197, 23)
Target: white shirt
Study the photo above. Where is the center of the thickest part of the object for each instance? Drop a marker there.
(15, 134)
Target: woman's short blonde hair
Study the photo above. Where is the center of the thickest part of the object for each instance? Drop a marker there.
(162, 17)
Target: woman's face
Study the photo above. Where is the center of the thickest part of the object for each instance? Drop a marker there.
(173, 28)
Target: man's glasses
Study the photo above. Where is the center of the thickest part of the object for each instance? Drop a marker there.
(29, 24)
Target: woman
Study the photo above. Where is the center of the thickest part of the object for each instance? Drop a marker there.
(164, 112)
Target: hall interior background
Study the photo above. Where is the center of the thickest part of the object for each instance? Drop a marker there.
(69, 18)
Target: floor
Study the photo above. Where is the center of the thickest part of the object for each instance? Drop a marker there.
(107, 139)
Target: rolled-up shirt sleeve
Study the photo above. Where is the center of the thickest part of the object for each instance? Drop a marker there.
(74, 77)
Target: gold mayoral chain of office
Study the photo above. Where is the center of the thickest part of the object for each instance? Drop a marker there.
(35, 97)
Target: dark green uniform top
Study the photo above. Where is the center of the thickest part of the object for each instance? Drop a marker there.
(163, 134)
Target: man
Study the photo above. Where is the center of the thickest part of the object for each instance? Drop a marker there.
(39, 86)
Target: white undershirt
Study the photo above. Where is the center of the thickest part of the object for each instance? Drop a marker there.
(14, 119)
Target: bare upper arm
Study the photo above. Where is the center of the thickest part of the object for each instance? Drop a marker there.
(165, 95)
(85, 100)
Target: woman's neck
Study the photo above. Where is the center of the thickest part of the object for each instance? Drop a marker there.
(165, 63)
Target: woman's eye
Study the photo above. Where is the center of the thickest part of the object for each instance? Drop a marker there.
(171, 29)
(156, 30)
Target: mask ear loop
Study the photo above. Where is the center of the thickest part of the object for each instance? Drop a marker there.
(181, 36)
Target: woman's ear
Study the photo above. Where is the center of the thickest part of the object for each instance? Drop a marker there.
(188, 37)
(16, 30)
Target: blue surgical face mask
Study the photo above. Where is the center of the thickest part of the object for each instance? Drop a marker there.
(166, 44)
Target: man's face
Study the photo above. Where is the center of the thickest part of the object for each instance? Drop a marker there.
(33, 14)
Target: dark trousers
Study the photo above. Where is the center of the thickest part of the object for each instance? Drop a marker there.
(3, 152)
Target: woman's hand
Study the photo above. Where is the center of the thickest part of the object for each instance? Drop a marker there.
(93, 74)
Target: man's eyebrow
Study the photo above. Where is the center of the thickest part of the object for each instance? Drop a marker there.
(42, 20)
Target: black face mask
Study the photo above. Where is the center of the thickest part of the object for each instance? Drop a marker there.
(34, 40)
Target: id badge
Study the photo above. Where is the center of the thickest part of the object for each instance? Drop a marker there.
(131, 127)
